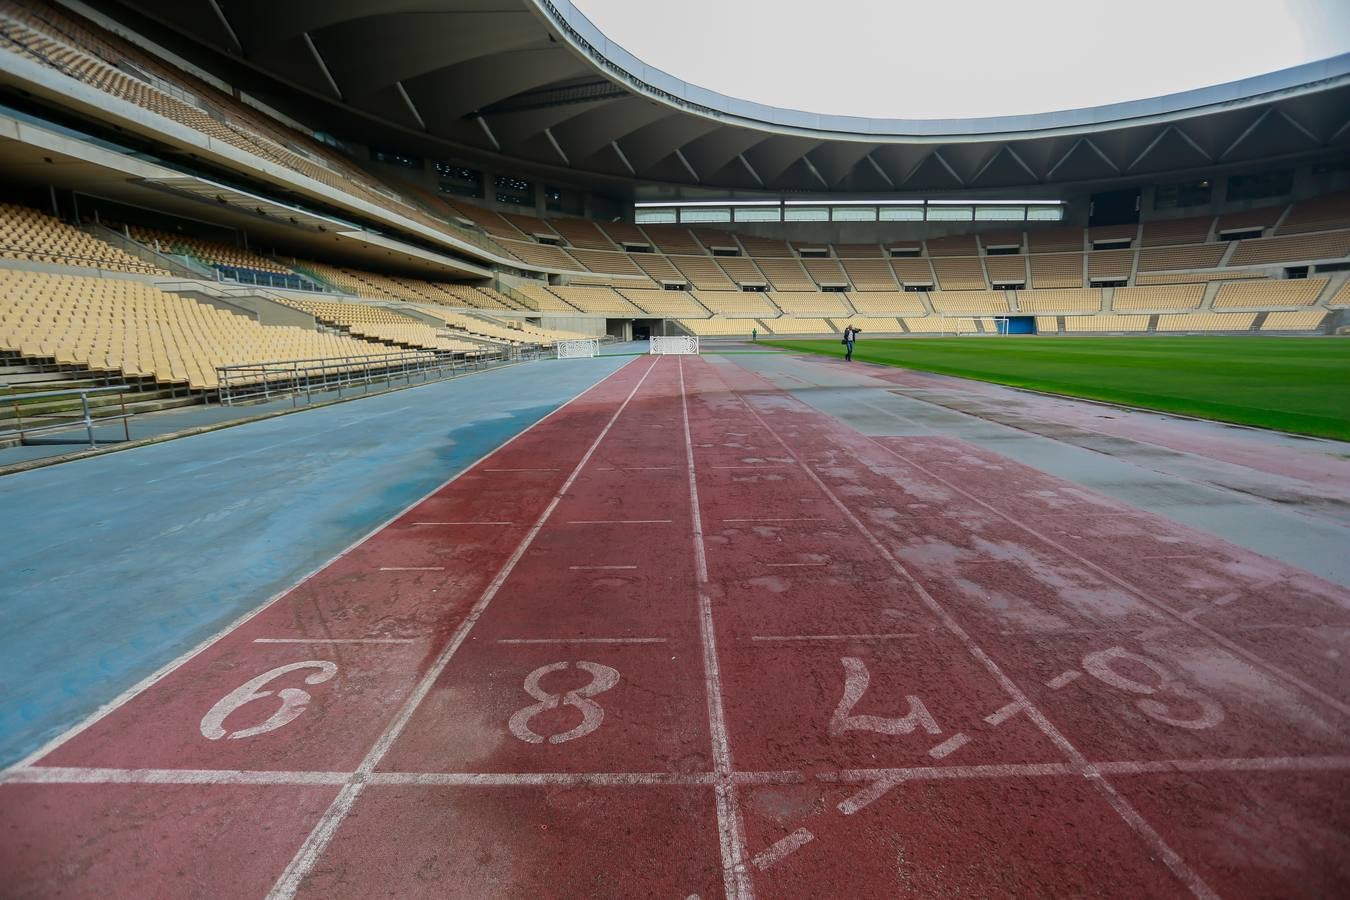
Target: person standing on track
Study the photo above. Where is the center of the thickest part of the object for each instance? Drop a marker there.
(851, 333)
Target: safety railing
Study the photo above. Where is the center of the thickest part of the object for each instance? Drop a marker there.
(43, 412)
(301, 379)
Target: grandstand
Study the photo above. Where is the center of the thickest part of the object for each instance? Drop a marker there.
(433, 468)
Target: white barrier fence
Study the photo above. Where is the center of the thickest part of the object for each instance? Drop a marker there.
(581, 349)
(683, 345)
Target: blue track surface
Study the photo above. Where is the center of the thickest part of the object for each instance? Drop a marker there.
(116, 564)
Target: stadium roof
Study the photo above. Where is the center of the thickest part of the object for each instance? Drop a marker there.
(536, 83)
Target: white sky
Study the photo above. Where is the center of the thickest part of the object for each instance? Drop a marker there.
(923, 59)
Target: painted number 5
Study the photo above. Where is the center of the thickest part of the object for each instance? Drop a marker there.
(293, 700)
(592, 714)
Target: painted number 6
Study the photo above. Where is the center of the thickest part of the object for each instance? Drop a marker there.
(293, 700)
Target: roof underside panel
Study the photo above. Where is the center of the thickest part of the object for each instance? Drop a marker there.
(505, 77)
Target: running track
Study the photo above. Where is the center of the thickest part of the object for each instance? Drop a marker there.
(689, 636)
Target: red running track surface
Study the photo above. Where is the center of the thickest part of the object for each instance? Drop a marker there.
(688, 636)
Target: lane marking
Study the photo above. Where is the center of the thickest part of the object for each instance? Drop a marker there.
(159, 674)
(1063, 679)
(1004, 713)
(1254, 660)
(760, 466)
(600, 568)
(1123, 808)
(794, 565)
(634, 468)
(731, 833)
(835, 637)
(790, 844)
(412, 568)
(334, 640)
(582, 640)
(949, 746)
(872, 777)
(619, 522)
(463, 523)
(521, 470)
(317, 841)
(868, 795)
(776, 519)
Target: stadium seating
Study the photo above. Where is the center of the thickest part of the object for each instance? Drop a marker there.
(1303, 320)
(675, 304)
(737, 304)
(28, 235)
(545, 256)
(1102, 323)
(1195, 277)
(126, 326)
(1318, 214)
(961, 303)
(1082, 300)
(1341, 299)
(912, 271)
(809, 303)
(1051, 240)
(741, 270)
(544, 299)
(1298, 292)
(785, 274)
(659, 268)
(1194, 256)
(1300, 248)
(1057, 270)
(703, 273)
(383, 324)
(1155, 299)
(826, 272)
(1006, 269)
(959, 273)
(870, 274)
(722, 327)
(672, 239)
(599, 301)
(788, 325)
(891, 303)
(1112, 264)
(582, 233)
(1175, 231)
(870, 325)
(1203, 321)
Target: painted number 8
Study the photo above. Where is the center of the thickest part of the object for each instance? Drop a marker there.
(592, 714)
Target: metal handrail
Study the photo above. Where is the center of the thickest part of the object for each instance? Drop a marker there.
(301, 378)
(86, 420)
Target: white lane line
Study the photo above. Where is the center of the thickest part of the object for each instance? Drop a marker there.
(760, 466)
(77, 775)
(790, 844)
(1004, 713)
(318, 839)
(333, 640)
(1123, 808)
(776, 519)
(473, 779)
(868, 795)
(521, 470)
(463, 523)
(871, 777)
(794, 565)
(949, 746)
(731, 833)
(600, 568)
(619, 522)
(634, 468)
(1063, 679)
(582, 640)
(895, 636)
(154, 677)
(412, 568)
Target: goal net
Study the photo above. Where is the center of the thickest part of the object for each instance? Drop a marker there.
(684, 345)
(964, 325)
(577, 349)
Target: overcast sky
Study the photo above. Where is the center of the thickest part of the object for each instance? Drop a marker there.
(957, 58)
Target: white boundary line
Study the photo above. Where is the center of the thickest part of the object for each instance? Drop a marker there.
(139, 687)
(1183, 872)
(869, 777)
(324, 830)
(735, 875)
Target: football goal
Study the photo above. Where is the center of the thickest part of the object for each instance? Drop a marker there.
(965, 325)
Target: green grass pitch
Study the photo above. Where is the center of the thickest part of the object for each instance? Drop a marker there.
(1300, 385)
